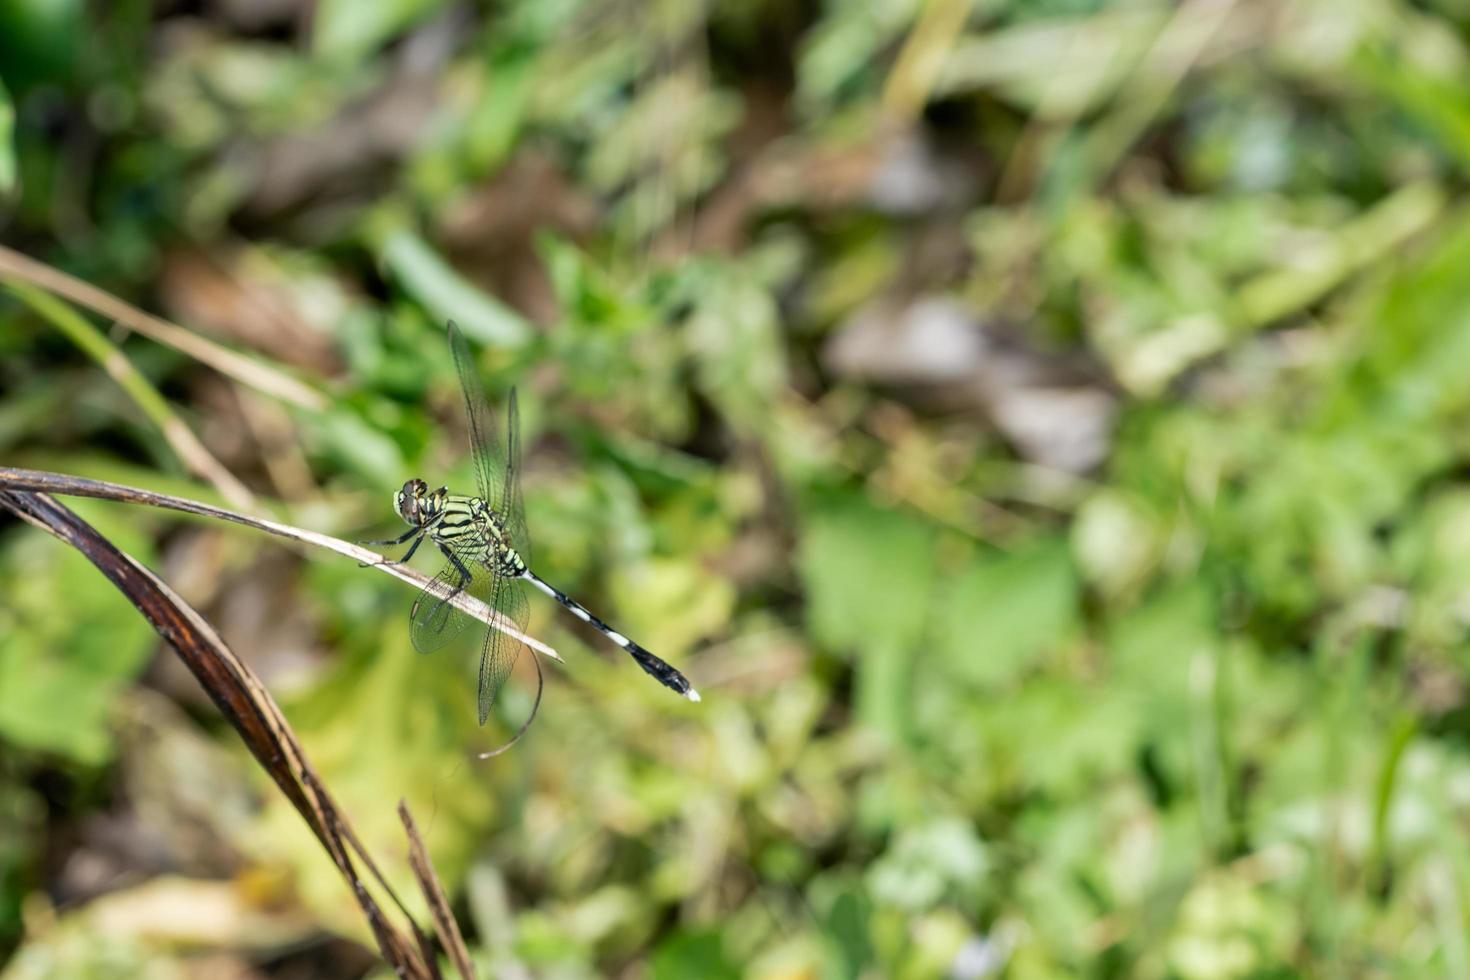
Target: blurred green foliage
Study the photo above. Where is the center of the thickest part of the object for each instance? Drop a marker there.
(1038, 428)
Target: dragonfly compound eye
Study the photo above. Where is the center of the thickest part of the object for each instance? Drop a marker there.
(406, 501)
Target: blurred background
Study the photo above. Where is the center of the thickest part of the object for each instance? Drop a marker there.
(1038, 428)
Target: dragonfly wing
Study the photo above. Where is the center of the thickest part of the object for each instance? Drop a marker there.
(501, 650)
(433, 621)
(489, 464)
(512, 505)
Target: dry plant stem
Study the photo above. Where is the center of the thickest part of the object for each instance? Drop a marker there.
(910, 85)
(181, 439)
(244, 701)
(1176, 50)
(444, 924)
(22, 268)
(59, 483)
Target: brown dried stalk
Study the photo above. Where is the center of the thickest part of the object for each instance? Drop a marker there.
(249, 707)
(244, 701)
(444, 924)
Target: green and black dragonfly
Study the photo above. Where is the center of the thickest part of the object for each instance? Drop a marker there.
(489, 552)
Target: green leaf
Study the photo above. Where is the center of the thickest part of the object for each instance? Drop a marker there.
(7, 142)
(1424, 90)
(349, 31)
(358, 446)
(843, 49)
(925, 864)
(1159, 654)
(40, 41)
(734, 338)
(425, 276)
(1061, 737)
(68, 643)
(1005, 611)
(847, 926)
(867, 573)
(683, 601)
(1151, 647)
(497, 119)
(22, 835)
(590, 297)
(692, 954)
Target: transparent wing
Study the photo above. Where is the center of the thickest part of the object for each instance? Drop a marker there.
(489, 464)
(512, 505)
(433, 622)
(500, 651)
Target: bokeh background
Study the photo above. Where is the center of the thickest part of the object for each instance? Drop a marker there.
(1038, 428)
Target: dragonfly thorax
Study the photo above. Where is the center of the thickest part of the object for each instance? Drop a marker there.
(466, 526)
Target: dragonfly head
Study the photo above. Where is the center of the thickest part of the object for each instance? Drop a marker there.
(412, 502)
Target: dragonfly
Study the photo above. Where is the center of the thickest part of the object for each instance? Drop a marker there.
(488, 550)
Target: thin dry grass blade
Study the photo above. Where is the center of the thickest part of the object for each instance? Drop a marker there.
(263, 377)
(59, 483)
(444, 924)
(181, 439)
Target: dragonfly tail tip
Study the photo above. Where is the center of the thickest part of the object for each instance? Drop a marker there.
(692, 695)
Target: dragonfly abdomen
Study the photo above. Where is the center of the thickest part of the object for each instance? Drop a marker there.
(662, 671)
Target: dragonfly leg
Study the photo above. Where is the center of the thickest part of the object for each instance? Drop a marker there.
(409, 553)
(406, 555)
(458, 588)
(398, 540)
(464, 578)
(459, 566)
